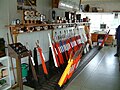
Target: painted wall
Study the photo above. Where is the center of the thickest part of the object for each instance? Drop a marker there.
(99, 18)
(3, 18)
(43, 6)
(8, 12)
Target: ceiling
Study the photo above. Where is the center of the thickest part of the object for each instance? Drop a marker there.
(105, 4)
(77, 1)
(70, 4)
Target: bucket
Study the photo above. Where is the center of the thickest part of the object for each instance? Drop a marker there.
(24, 68)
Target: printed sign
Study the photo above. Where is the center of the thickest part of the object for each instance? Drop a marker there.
(26, 4)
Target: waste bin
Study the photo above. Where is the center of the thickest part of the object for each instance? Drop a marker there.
(24, 67)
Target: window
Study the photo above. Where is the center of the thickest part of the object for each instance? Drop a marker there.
(103, 18)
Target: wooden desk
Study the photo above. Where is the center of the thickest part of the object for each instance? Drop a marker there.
(18, 56)
(96, 36)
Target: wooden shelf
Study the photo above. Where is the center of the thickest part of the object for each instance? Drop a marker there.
(29, 31)
(16, 29)
(5, 87)
(7, 77)
(35, 25)
(3, 67)
(4, 77)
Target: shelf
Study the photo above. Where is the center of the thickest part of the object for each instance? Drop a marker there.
(4, 77)
(15, 28)
(29, 31)
(5, 87)
(35, 25)
(3, 67)
(5, 62)
(3, 58)
(37, 31)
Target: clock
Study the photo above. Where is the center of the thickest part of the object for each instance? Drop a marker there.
(17, 21)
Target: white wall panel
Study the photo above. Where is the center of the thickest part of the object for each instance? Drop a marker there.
(31, 38)
(44, 6)
(3, 18)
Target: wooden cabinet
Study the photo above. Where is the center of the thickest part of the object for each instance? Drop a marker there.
(5, 79)
(110, 39)
(95, 37)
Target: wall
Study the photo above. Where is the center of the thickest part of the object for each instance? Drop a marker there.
(100, 18)
(3, 18)
(9, 12)
(44, 7)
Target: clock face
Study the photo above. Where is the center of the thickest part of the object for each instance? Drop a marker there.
(17, 21)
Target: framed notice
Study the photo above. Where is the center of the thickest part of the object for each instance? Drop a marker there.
(26, 4)
(30, 2)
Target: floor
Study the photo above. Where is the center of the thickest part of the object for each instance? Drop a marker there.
(102, 73)
(24, 88)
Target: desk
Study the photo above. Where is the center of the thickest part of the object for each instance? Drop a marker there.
(15, 51)
(96, 36)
